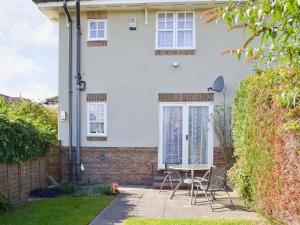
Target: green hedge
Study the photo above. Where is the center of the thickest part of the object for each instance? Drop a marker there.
(266, 128)
(27, 131)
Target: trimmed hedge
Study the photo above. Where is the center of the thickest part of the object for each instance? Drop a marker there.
(27, 131)
(266, 131)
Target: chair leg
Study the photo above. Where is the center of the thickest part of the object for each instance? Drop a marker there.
(171, 178)
(163, 183)
(197, 192)
(229, 198)
(175, 189)
(208, 199)
(213, 195)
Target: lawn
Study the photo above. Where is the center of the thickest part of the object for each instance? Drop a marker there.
(139, 221)
(57, 211)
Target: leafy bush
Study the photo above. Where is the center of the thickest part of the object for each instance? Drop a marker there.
(4, 203)
(105, 189)
(69, 188)
(27, 131)
(266, 134)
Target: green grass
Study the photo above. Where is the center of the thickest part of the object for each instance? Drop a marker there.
(140, 221)
(57, 211)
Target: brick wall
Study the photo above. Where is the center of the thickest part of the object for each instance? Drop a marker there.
(122, 165)
(16, 181)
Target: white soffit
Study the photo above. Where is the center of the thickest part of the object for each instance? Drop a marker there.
(52, 9)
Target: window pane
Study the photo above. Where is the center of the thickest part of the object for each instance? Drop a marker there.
(96, 128)
(100, 33)
(189, 38)
(101, 25)
(185, 39)
(100, 117)
(180, 25)
(93, 34)
(165, 38)
(189, 25)
(189, 16)
(93, 25)
(93, 117)
(161, 25)
(161, 16)
(181, 16)
(169, 16)
(92, 108)
(169, 25)
(180, 39)
(100, 108)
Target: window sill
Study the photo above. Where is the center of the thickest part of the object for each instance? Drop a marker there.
(175, 52)
(96, 138)
(96, 43)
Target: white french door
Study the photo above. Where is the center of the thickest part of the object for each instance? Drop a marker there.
(186, 133)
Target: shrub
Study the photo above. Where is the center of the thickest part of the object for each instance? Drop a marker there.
(266, 134)
(105, 189)
(69, 188)
(4, 203)
(27, 131)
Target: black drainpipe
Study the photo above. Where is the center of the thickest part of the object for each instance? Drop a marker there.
(80, 87)
(70, 25)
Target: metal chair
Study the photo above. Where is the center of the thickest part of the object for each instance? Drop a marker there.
(168, 176)
(215, 182)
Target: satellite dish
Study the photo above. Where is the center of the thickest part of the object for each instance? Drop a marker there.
(218, 85)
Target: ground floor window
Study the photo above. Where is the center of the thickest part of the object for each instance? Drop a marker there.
(96, 119)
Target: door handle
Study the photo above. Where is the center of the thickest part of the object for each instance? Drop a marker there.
(187, 137)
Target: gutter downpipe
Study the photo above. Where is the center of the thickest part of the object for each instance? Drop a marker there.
(79, 83)
(70, 26)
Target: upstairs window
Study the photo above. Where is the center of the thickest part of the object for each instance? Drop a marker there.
(97, 30)
(96, 119)
(175, 30)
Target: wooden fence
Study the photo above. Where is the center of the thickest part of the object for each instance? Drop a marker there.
(17, 181)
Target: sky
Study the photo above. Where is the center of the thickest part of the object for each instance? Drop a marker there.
(28, 51)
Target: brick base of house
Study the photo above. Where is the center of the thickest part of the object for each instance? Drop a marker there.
(121, 165)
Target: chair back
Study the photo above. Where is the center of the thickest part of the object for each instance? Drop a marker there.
(217, 177)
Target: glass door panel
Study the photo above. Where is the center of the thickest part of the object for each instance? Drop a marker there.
(172, 134)
(198, 125)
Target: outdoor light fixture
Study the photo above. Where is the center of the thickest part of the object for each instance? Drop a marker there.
(175, 64)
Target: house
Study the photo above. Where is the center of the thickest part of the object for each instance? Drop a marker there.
(51, 102)
(12, 99)
(139, 98)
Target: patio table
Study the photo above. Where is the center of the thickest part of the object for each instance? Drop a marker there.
(192, 168)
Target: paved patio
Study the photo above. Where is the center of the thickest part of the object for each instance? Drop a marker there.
(134, 201)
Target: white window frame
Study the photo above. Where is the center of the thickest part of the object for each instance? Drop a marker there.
(105, 30)
(175, 29)
(105, 119)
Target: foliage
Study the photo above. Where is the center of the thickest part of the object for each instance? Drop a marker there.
(142, 221)
(27, 131)
(4, 204)
(69, 188)
(222, 128)
(266, 136)
(58, 211)
(105, 189)
(273, 27)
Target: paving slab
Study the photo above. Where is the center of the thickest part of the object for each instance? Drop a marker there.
(142, 201)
